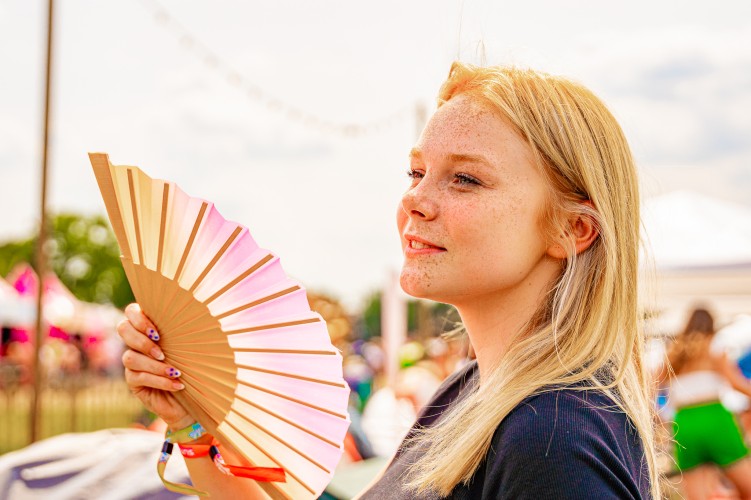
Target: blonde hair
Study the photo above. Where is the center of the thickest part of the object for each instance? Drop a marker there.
(587, 328)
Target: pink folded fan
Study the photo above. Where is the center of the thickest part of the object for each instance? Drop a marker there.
(259, 369)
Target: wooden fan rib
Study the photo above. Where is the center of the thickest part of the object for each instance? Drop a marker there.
(175, 303)
(262, 300)
(239, 278)
(216, 258)
(284, 351)
(189, 364)
(284, 442)
(225, 376)
(210, 408)
(191, 239)
(174, 350)
(270, 457)
(283, 374)
(197, 411)
(207, 378)
(288, 421)
(294, 400)
(272, 326)
(197, 335)
(208, 414)
(211, 393)
(184, 336)
(170, 299)
(134, 210)
(203, 342)
(190, 318)
(190, 356)
(162, 227)
(167, 297)
(101, 165)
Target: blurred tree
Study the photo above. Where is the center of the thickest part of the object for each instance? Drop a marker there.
(371, 317)
(436, 317)
(83, 253)
(332, 311)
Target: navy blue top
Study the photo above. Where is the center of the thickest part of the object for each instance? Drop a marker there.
(569, 443)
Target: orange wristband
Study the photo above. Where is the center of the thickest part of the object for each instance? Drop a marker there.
(196, 450)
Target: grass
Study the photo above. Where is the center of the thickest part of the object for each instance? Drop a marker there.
(89, 405)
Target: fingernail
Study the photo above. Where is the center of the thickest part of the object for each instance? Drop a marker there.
(153, 335)
(157, 353)
(173, 372)
(178, 386)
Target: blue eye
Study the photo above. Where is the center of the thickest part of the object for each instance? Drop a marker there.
(466, 180)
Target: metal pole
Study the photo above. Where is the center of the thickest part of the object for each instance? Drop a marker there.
(41, 260)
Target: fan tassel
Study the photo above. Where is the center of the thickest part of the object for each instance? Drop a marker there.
(264, 474)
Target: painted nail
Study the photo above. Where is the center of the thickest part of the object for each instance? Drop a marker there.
(178, 386)
(173, 372)
(157, 353)
(153, 335)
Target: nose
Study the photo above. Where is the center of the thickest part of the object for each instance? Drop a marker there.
(419, 202)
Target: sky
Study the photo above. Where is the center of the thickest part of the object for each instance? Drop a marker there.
(296, 117)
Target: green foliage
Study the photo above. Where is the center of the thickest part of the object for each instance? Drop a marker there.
(371, 316)
(412, 312)
(83, 252)
(14, 253)
(436, 318)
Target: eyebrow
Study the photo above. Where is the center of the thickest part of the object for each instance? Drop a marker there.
(416, 153)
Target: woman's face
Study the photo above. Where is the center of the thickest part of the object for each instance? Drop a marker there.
(470, 222)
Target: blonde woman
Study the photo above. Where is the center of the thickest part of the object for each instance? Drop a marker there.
(522, 212)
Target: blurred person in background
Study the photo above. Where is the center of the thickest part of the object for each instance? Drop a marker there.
(523, 213)
(735, 339)
(705, 431)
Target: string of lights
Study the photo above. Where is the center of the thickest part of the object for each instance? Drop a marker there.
(215, 62)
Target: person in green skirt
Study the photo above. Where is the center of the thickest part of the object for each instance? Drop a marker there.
(705, 431)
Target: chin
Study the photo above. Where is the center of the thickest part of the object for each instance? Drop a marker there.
(410, 285)
(417, 286)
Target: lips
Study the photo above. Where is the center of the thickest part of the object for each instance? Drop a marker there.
(415, 243)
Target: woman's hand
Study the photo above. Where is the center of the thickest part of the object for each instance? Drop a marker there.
(147, 376)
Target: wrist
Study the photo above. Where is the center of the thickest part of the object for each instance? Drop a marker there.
(193, 433)
(175, 426)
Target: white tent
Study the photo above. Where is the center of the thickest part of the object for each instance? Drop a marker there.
(698, 250)
(14, 309)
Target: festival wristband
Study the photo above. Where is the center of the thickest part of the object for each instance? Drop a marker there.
(195, 450)
(186, 434)
(196, 431)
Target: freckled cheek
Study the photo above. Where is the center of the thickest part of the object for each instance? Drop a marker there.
(488, 237)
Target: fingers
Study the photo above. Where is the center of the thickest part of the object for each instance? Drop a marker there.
(140, 322)
(136, 340)
(144, 379)
(143, 371)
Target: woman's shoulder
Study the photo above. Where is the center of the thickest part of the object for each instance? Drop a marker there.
(579, 436)
(564, 400)
(565, 414)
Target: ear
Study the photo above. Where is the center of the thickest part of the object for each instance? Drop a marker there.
(582, 232)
